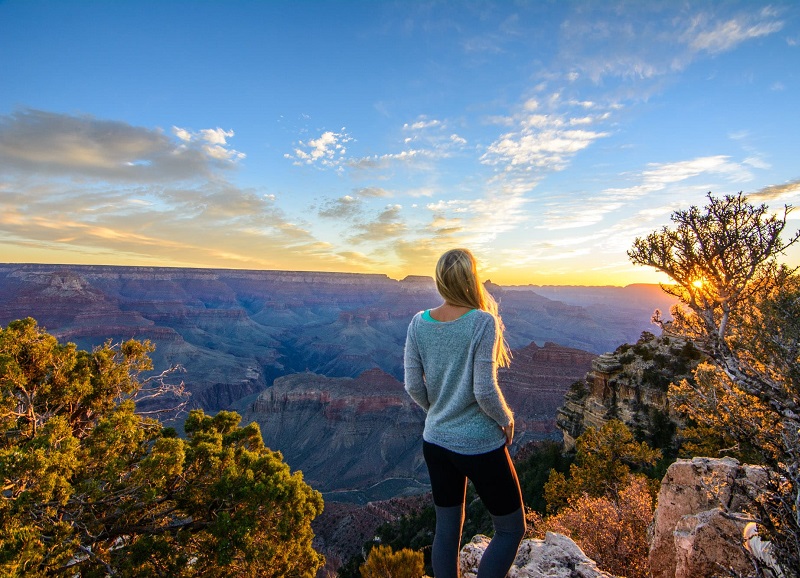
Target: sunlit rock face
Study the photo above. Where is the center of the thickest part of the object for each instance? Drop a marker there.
(699, 518)
(631, 385)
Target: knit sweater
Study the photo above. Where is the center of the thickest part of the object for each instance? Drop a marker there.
(450, 372)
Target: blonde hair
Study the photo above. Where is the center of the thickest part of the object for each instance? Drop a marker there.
(458, 283)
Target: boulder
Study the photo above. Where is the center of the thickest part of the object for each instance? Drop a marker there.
(700, 515)
(556, 556)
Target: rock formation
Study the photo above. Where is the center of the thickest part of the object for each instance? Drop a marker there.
(554, 557)
(700, 515)
(631, 385)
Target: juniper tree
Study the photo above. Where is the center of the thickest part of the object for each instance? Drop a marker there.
(741, 307)
(90, 487)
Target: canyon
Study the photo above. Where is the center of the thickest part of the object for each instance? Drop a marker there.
(316, 358)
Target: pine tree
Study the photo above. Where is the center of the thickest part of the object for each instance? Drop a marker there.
(93, 488)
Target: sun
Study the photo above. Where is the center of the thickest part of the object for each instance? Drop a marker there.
(698, 283)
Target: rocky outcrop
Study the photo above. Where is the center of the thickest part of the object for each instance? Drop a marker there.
(554, 557)
(631, 385)
(700, 516)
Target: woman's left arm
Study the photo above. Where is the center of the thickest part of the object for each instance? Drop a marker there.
(485, 387)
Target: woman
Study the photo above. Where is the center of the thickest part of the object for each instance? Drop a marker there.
(451, 358)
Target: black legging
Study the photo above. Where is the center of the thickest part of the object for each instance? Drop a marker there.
(495, 480)
(492, 474)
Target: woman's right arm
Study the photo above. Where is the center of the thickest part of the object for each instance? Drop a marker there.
(414, 375)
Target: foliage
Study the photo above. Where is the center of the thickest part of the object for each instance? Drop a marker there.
(611, 530)
(742, 310)
(604, 462)
(92, 488)
(534, 471)
(604, 506)
(383, 562)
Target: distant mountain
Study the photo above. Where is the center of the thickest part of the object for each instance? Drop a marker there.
(236, 331)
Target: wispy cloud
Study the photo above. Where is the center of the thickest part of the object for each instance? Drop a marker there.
(784, 193)
(705, 34)
(46, 143)
(650, 40)
(411, 158)
(656, 178)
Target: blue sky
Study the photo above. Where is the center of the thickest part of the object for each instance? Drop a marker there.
(372, 136)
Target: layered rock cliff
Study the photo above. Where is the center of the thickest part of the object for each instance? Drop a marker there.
(535, 385)
(345, 433)
(631, 385)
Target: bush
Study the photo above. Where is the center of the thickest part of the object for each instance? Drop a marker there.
(383, 562)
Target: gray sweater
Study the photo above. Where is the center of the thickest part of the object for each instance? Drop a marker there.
(450, 373)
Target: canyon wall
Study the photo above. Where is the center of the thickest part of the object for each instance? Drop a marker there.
(360, 439)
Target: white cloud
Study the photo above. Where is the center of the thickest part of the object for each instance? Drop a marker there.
(422, 124)
(216, 136)
(216, 142)
(716, 37)
(327, 150)
(182, 134)
(551, 149)
(656, 178)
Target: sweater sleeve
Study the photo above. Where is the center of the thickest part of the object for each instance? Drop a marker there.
(487, 391)
(413, 371)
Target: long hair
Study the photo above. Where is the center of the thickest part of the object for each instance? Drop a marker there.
(458, 283)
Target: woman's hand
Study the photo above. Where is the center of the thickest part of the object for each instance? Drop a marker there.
(508, 430)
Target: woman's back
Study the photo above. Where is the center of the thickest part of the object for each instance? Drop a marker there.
(450, 372)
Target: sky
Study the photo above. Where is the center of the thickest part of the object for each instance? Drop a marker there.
(371, 136)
